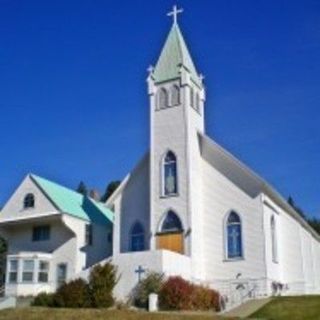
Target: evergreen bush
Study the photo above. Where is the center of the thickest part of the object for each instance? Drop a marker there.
(102, 282)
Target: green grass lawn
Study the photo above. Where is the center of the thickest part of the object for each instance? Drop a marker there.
(291, 308)
(34, 313)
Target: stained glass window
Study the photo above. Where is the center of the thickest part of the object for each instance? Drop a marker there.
(171, 223)
(170, 174)
(234, 236)
(137, 237)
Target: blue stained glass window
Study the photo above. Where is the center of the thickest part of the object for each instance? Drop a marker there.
(170, 174)
(137, 238)
(234, 236)
(171, 223)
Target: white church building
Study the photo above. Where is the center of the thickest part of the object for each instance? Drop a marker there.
(188, 208)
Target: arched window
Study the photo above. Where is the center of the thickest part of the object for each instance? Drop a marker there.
(175, 95)
(274, 239)
(137, 237)
(169, 174)
(171, 223)
(163, 98)
(234, 236)
(198, 102)
(192, 97)
(28, 201)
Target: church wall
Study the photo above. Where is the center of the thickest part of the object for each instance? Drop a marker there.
(220, 196)
(298, 253)
(195, 123)
(308, 261)
(316, 264)
(132, 205)
(290, 254)
(273, 267)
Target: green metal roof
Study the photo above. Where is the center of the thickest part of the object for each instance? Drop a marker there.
(74, 203)
(174, 54)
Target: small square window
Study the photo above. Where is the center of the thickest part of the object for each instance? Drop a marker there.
(41, 233)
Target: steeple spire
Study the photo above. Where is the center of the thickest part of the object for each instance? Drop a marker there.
(174, 13)
(174, 55)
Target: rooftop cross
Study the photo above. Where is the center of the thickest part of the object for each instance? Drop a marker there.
(175, 11)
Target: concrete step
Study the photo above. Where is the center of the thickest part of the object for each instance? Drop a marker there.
(23, 302)
(8, 302)
(247, 308)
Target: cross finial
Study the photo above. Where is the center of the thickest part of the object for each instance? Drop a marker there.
(174, 13)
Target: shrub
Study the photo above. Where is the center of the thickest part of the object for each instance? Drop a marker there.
(179, 294)
(150, 284)
(44, 299)
(102, 281)
(205, 299)
(175, 294)
(74, 294)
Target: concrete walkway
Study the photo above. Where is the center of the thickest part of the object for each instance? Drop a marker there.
(248, 308)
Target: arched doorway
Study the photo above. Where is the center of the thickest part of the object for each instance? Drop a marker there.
(170, 235)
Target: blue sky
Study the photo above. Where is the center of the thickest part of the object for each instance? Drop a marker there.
(73, 95)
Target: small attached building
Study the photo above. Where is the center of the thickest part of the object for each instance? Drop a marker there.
(53, 234)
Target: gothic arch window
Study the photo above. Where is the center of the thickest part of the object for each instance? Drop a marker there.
(234, 236)
(163, 98)
(28, 201)
(175, 95)
(137, 242)
(192, 97)
(169, 174)
(171, 223)
(274, 245)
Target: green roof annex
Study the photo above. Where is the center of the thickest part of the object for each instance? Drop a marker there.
(73, 203)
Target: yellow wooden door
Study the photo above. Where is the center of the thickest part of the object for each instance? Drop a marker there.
(170, 241)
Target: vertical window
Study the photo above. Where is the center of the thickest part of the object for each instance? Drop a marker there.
(234, 236)
(192, 97)
(28, 201)
(41, 233)
(163, 98)
(61, 274)
(13, 271)
(175, 95)
(274, 240)
(88, 234)
(27, 272)
(43, 271)
(137, 237)
(198, 102)
(169, 174)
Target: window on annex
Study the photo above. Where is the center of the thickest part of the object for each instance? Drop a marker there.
(41, 233)
(28, 201)
(27, 271)
(88, 234)
(13, 270)
(43, 272)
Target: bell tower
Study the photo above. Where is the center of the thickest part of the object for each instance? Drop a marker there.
(177, 98)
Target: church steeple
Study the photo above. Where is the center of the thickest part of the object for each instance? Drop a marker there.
(175, 56)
